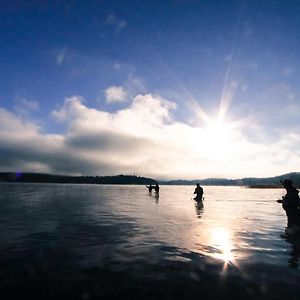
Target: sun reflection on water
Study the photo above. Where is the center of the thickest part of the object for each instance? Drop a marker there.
(221, 240)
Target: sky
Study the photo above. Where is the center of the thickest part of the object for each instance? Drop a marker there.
(165, 89)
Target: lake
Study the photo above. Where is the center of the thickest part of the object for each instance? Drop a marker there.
(118, 242)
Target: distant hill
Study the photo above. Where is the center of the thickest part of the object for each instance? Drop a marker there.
(267, 182)
(48, 178)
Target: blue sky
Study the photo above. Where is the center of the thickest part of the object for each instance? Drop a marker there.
(168, 89)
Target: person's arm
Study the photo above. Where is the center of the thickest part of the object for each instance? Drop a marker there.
(280, 200)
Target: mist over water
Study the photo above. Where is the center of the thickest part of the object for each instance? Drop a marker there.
(91, 241)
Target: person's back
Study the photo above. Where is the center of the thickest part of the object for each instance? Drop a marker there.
(291, 199)
(199, 192)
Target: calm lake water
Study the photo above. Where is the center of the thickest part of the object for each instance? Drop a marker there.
(107, 241)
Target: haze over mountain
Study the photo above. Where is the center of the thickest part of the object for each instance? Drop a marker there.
(248, 181)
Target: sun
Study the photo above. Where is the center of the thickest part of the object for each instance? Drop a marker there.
(218, 130)
(218, 139)
(218, 136)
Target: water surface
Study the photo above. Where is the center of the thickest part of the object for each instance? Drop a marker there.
(92, 241)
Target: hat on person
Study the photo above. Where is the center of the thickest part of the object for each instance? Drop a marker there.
(287, 182)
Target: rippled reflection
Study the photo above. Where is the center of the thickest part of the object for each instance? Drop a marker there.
(199, 207)
(221, 241)
(91, 230)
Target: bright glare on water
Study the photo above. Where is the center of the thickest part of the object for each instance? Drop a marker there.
(88, 241)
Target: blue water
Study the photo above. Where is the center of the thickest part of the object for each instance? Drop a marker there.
(107, 241)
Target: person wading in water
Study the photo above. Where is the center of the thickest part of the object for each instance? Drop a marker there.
(199, 193)
(150, 187)
(291, 204)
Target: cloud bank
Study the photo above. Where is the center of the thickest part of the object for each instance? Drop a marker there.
(143, 139)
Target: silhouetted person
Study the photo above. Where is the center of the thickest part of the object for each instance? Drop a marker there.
(199, 192)
(156, 188)
(290, 203)
(150, 188)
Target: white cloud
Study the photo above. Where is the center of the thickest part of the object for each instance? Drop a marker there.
(23, 147)
(144, 139)
(115, 94)
(71, 106)
(10, 123)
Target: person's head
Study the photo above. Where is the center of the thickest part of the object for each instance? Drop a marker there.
(197, 184)
(287, 183)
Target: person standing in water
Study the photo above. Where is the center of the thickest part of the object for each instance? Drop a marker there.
(149, 187)
(199, 192)
(291, 204)
(156, 188)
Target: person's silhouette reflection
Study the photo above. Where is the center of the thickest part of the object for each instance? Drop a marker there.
(294, 240)
(156, 196)
(199, 209)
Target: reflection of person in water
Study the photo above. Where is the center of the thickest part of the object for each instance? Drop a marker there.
(149, 187)
(199, 209)
(290, 203)
(294, 240)
(199, 192)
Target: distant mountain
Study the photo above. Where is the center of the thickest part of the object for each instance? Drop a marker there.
(268, 182)
(48, 178)
(251, 181)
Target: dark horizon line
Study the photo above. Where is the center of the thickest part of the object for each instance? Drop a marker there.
(275, 180)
